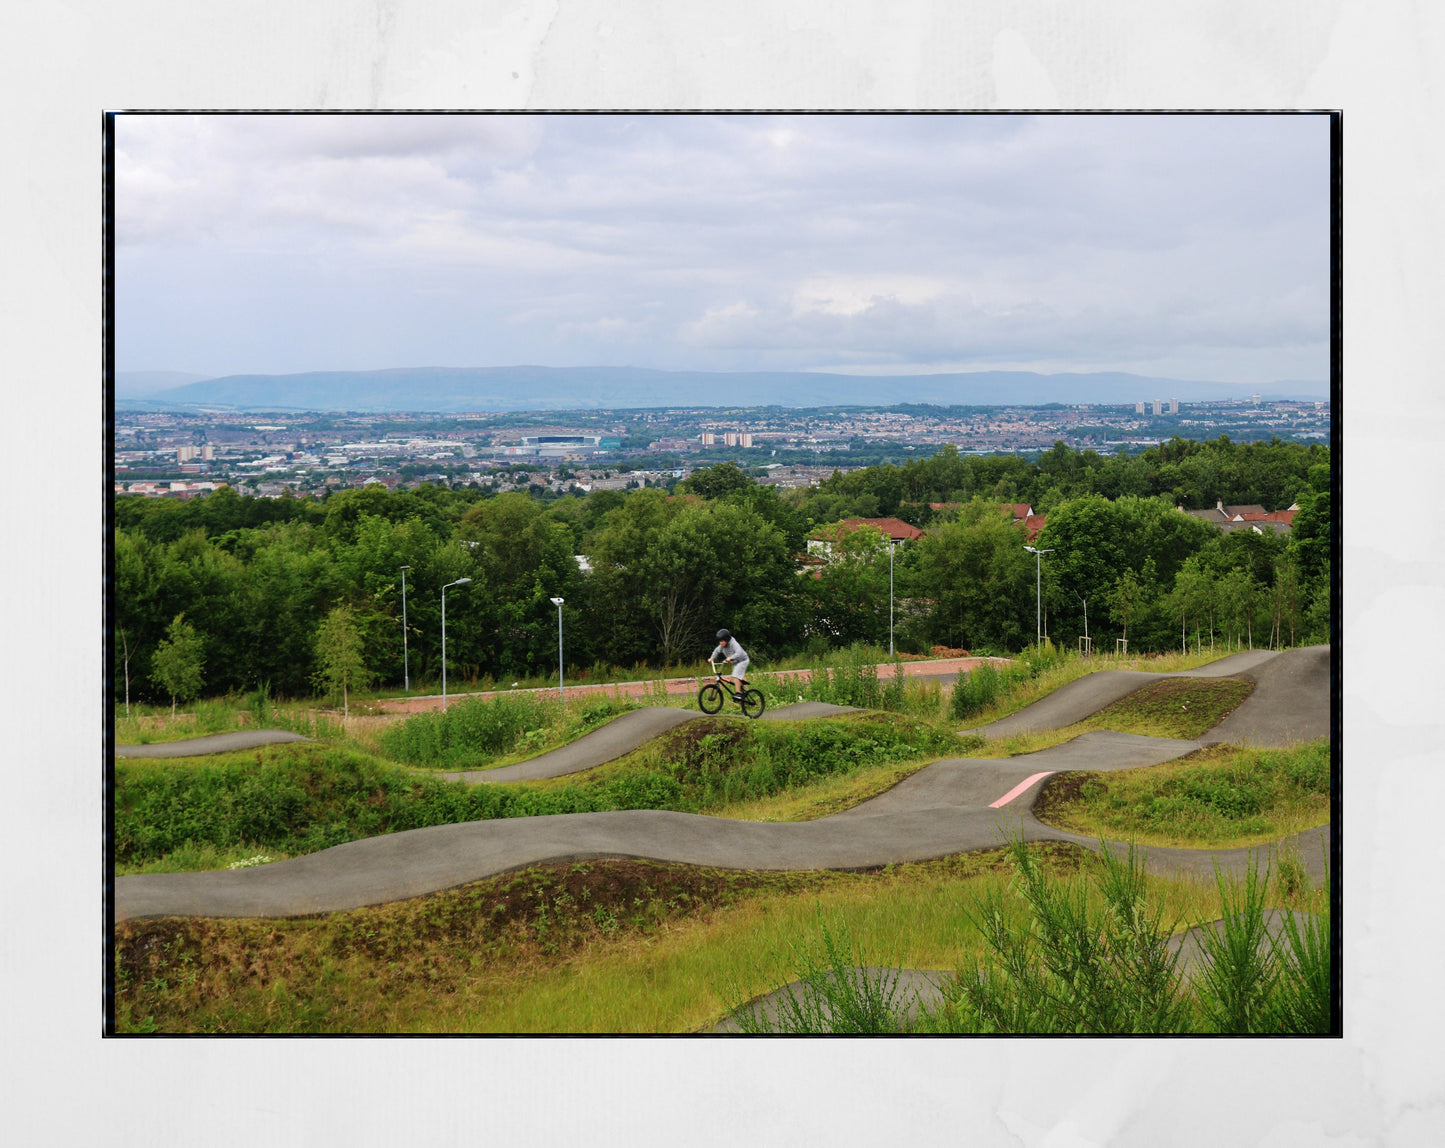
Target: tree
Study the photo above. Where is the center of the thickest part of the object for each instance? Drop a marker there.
(178, 662)
(1126, 600)
(125, 650)
(1284, 602)
(850, 594)
(979, 579)
(1189, 596)
(716, 481)
(340, 656)
(1238, 598)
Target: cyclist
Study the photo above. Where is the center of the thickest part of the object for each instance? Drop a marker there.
(728, 650)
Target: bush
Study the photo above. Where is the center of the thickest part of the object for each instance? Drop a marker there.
(1074, 968)
(474, 732)
(852, 680)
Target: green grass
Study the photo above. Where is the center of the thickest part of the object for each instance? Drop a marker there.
(1085, 954)
(1220, 795)
(193, 857)
(482, 732)
(727, 766)
(155, 725)
(1183, 708)
(605, 946)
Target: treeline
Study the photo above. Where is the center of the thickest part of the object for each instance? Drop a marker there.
(1196, 475)
(253, 580)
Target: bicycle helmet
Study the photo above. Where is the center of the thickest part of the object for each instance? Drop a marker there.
(723, 635)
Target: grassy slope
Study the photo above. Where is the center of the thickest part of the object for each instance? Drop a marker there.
(606, 946)
(1218, 796)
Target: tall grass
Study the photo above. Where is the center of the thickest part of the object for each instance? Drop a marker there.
(1093, 955)
(146, 725)
(851, 677)
(475, 732)
(835, 992)
(981, 687)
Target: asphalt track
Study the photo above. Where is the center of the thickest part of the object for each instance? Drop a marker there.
(622, 735)
(951, 806)
(215, 743)
(1291, 700)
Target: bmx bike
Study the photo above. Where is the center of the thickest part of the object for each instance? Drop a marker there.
(710, 698)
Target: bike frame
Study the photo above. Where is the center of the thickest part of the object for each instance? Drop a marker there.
(721, 679)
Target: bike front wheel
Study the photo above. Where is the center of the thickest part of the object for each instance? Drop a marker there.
(710, 698)
(753, 703)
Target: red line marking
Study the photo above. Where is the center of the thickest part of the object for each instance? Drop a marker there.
(1019, 788)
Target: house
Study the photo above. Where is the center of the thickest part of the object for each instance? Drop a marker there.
(1018, 512)
(820, 542)
(1033, 524)
(1250, 516)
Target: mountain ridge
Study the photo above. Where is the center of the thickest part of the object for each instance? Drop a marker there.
(531, 387)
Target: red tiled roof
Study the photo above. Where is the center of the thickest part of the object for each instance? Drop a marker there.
(894, 528)
(1034, 524)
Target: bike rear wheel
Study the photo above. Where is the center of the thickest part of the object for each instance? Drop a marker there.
(753, 703)
(710, 698)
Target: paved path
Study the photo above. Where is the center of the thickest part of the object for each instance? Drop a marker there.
(620, 736)
(215, 743)
(951, 806)
(1291, 701)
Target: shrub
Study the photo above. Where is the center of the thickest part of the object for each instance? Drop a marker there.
(835, 992)
(474, 732)
(1073, 967)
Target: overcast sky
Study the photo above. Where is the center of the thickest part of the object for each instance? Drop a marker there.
(1186, 246)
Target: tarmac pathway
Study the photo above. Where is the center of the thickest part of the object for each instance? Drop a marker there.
(1293, 706)
(215, 743)
(620, 736)
(951, 806)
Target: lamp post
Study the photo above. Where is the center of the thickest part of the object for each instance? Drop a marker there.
(558, 603)
(1088, 646)
(1038, 593)
(445, 588)
(405, 665)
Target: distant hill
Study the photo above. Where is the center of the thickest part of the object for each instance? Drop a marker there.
(522, 388)
(143, 384)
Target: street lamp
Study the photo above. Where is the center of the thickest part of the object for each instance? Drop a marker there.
(405, 666)
(1038, 593)
(458, 582)
(558, 603)
(1088, 646)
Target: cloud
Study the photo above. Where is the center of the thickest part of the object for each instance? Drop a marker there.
(731, 242)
